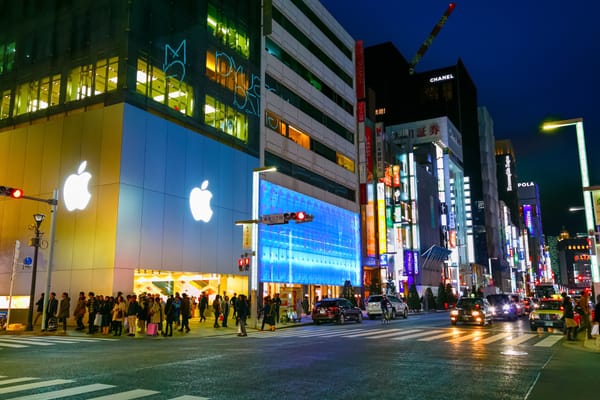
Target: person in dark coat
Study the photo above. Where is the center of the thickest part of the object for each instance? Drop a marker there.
(64, 310)
(52, 309)
(243, 311)
(569, 315)
(39, 308)
(171, 314)
(217, 310)
(186, 313)
(203, 305)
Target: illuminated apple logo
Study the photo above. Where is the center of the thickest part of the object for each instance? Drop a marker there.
(200, 203)
(75, 191)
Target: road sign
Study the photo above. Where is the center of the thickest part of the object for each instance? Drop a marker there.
(27, 261)
(273, 219)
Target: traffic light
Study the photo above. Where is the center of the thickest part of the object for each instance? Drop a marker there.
(297, 217)
(11, 192)
(241, 263)
(244, 262)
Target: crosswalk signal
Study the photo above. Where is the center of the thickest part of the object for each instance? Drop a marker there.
(15, 193)
(241, 263)
(244, 262)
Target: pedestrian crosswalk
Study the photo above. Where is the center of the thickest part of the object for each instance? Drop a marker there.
(19, 342)
(31, 388)
(448, 335)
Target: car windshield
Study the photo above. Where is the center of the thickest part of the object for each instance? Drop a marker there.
(374, 299)
(469, 303)
(550, 305)
(498, 298)
(327, 303)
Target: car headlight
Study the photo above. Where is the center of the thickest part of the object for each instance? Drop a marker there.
(492, 309)
(475, 313)
(506, 307)
(534, 315)
(454, 312)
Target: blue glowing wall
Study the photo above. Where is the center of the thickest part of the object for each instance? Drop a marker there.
(325, 251)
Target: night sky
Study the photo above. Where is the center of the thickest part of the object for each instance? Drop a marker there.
(531, 61)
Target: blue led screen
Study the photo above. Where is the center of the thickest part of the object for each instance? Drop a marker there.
(325, 251)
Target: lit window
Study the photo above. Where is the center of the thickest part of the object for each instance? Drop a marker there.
(345, 162)
(226, 119)
(37, 95)
(153, 83)
(227, 32)
(5, 105)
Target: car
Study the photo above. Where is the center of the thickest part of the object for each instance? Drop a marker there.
(336, 310)
(472, 310)
(529, 304)
(503, 306)
(519, 304)
(549, 314)
(399, 306)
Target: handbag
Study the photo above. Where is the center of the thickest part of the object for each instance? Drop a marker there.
(596, 329)
(98, 320)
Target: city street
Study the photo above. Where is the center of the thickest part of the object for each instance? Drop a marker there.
(422, 357)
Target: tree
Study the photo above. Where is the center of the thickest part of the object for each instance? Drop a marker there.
(414, 303)
(450, 298)
(428, 300)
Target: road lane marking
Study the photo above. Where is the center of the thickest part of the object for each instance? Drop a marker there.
(132, 394)
(441, 336)
(21, 341)
(418, 334)
(12, 345)
(496, 337)
(188, 397)
(57, 394)
(16, 380)
(370, 332)
(475, 336)
(520, 339)
(397, 332)
(35, 385)
(549, 341)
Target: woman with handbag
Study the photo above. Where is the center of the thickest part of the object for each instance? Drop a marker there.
(118, 316)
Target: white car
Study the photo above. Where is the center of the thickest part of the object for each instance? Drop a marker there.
(399, 307)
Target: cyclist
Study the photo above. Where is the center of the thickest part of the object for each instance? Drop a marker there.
(385, 304)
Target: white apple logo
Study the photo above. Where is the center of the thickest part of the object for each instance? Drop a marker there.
(75, 191)
(200, 203)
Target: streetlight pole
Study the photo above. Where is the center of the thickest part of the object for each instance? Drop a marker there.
(38, 218)
(585, 182)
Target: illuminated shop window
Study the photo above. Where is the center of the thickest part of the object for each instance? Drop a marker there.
(91, 80)
(226, 119)
(7, 57)
(5, 105)
(227, 32)
(37, 95)
(152, 82)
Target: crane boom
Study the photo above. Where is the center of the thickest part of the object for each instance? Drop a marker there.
(432, 35)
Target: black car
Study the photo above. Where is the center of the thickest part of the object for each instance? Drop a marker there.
(503, 306)
(476, 310)
(336, 310)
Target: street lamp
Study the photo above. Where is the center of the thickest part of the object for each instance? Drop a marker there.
(253, 274)
(35, 242)
(585, 182)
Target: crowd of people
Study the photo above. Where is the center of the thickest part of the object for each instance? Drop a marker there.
(146, 314)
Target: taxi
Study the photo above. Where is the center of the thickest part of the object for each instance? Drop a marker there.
(549, 314)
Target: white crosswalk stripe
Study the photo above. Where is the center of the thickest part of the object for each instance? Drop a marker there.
(452, 335)
(24, 389)
(19, 342)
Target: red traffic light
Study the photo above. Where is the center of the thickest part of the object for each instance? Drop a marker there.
(300, 216)
(16, 193)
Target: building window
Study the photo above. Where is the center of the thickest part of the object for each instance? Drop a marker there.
(226, 119)
(222, 69)
(153, 83)
(93, 79)
(227, 32)
(345, 162)
(107, 71)
(5, 105)
(37, 95)
(7, 57)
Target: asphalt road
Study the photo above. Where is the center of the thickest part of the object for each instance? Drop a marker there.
(422, 357)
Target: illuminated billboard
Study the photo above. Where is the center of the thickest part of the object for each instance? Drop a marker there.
(325, 251)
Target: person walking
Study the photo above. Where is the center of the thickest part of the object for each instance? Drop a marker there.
(568, 314)
(64, 310)
(225, 310)
(217, 310)
(243, 310)
(79, 312)
(39, 309)
(51, 310)
(276, 307)
(186, 312)
(203, 305)
(233, 303)
(170, 314)
(584, 307)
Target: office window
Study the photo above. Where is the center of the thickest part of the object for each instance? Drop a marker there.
(176, 94)
(226, 119)
(299, 137)
(106, 75)
(37, 95)
(221, 68)
(5, 105)
(227, 32)
(79, 83)
(345, 162)
(7, 57)
(93, 79)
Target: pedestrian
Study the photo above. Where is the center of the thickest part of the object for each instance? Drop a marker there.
(39, 308)
(186, 313)
(52, 309)
(203, 305)
(170, 314)
(153, 316)
(142, 315)
(132, 312)
(161, 306)
(177, 305)
(276, 307)
(217, 310)
(118, 315)
(299, 309)
(265, 311)
(225, 310)
(233, 303)
(305, 304)
(79, 312)
(92, 306)
(584, 310)
(568, 314)
(106, 306)
(597, 311)
(64, 310)
(243, 310)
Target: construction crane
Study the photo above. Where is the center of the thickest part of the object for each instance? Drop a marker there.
(432, 35)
